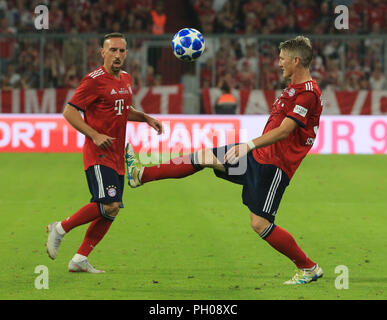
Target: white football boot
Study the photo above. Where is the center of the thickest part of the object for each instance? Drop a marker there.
(54, 240)
(82, 266)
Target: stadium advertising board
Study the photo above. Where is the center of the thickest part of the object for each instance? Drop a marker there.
(169, 100)
(358, 102)
(52, 133)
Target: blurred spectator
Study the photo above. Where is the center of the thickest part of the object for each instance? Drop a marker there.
(226, 103)
(352, 83)
(55, 17)
(141, 9)
(251, 57)
(53, 67)
(281, 19)
(30, 77)
(135, 72)
(159, 18)
(246, 78)
(227, 18)
(252, 23)
(325, 19)
(269, 78)
(150, 76)
(158, 80)
(305, 15)
(354, 70)
(254, 6)
(317, 70)
(356, 24)
(205, 14)
(7, 45)
(271, 8)
(71, 79)
(227, 80)
(10, 79)
(378, 79)
(218, 5)
(333, 76)
(376, 13)
(26, 17)
(364, 83)
(72, 50)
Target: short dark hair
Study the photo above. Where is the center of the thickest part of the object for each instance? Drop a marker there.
(112, 35)
(301, 47)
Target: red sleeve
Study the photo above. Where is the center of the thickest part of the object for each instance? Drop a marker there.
(84, 95)
(303, 108)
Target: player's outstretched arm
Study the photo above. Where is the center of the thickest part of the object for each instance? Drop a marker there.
(270, 137)
(139, 116)
(73, 116)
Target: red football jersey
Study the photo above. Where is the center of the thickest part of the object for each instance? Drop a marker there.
(106, 102)
(302, 103)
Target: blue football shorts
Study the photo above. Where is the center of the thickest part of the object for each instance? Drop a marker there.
(105, 184)
(263, 184)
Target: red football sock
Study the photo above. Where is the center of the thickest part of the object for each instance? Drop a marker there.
(176, 168)
(282, 241)
(94, 234)
(84, 215)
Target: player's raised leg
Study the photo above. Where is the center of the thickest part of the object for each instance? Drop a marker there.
(175, 168)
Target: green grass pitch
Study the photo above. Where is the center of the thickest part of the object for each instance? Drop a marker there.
(191, 238)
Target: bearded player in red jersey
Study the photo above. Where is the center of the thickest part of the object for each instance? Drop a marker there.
(105, 98)
(264, 165)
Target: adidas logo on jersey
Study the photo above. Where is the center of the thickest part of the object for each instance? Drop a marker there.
(113, 92)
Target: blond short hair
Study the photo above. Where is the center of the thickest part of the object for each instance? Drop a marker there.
(300, 47)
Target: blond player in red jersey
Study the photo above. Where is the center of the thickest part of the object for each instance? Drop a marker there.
(264, 165)
(105, 98)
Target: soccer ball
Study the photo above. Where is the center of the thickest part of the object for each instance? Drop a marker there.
(188, 44)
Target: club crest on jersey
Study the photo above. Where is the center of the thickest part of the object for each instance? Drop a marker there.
(111, 191)
(291, 92)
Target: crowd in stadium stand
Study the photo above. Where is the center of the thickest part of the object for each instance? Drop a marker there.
(244, 64)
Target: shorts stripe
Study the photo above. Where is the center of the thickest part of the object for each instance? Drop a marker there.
(267, 231)
(97, 171)
(273, 189)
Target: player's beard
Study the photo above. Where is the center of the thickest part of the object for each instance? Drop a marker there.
(116, 69)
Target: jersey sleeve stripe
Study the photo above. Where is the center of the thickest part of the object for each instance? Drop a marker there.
(298, 121)
(76, 107)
